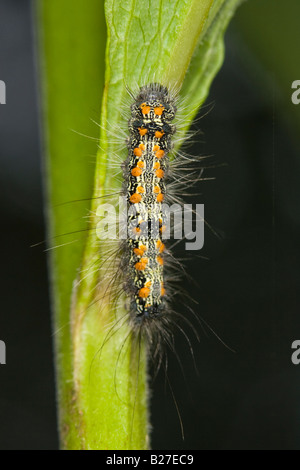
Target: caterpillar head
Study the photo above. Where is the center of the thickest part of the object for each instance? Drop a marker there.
(154, 103)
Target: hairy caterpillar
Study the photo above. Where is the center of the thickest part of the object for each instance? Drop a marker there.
(141, 266)
(144, 173)
(152, 186)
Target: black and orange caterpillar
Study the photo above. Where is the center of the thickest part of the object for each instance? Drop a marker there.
(144, 172)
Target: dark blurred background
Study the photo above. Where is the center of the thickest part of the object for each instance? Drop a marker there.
(248, 288)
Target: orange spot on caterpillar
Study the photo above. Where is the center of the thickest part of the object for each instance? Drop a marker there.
(159, 134)
(142, 131)
(142, 146)
(156, 189)
(160, 197)
(144, 292)
(136, 230)
(156, 165)
(137, 152)
(148, 284)
(140, 251)
(159, 110)
(159, 153)
(141, 265)
(140, 164)
(160, 246)
(135, 198)
(136, 171)
(156, 148)
(160, 260)
(162, 291)
(145, 108)
(160, 173)
(140, 189)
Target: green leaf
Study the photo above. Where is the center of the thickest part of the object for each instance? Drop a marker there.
(102, 371)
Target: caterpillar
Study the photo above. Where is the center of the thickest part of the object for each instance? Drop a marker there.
(152, 183)
(145, 172)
